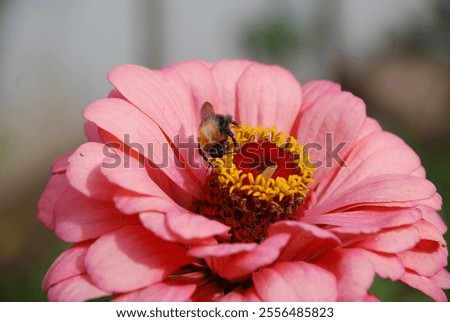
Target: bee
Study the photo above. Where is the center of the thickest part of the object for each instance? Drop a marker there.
(214, 132)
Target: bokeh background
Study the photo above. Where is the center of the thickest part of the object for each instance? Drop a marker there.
(54, 56)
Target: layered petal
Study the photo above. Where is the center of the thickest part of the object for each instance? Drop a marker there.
(182, 227)
(295, 282)
(153, 94)
(353, 270)
(84, 172)
(427, 258)
(392, 240)
(395, 190)
(311, 91)
(262, 87)
(75, 289)
(200, 87)
(315, 89)
(132, 258)
(142, 135)
(305, 241)
(375, 218)
(226, 74)
(89, 219)
(240, 261)
(159, 292)
(69, 264)
(240, 295)
(426, 285)
(376, 154)
(60, 165)
(385, 265)
(329, 128)
(56, 187)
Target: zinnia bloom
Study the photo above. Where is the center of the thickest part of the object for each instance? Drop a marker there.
(311, 203)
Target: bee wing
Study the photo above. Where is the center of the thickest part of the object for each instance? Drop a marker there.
(207, 112)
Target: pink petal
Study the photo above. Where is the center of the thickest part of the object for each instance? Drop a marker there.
(159, 292)
(310, 93)
(115, 94)
(154, 95)
(345, 232)
(69, 264)
(221, 250)
(268, 96)
(240, 265)
(56, 186)
(136, 185)
(426, 258)
(332, 122)
(74, 289)
(386, 190)
(368, 159)
(156, 223)
(385, 265)
(442, 278)
(199, 84)
(306, 241)
(431, 215)
(190, 226)
(370, 298)
(429, 232)
(91, 132)
(380, 218)
(132, 258)
(133, 203)
(141, 134)
(392, 240)
(79, 218)
(241, 295)
(434, 202)
(130, 175)
(315, 89)
(60, 165)
(426, 285)
(419, 172)
(295, 281)
(182, 226)
(194, 85)
(226, 74)
(354, 272)
(84, 172)
(369, 126)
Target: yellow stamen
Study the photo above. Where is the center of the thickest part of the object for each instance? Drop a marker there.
(264, 186)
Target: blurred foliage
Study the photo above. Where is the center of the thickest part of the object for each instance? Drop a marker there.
(25, 256)
(274, 38)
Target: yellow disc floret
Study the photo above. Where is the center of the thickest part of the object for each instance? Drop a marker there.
(266, 179)
(260, 180)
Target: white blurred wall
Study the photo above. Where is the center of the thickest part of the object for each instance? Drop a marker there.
(54, 56)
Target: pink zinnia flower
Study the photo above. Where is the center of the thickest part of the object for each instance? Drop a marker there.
(314, 201)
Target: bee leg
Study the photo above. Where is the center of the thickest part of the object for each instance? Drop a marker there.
(231, 135)
(202, 153)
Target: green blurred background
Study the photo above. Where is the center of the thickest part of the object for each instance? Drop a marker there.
(54, 56)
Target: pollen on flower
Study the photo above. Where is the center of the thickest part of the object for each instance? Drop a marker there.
(263, 180)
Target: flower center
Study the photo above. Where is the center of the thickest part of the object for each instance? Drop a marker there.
(261, 181)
